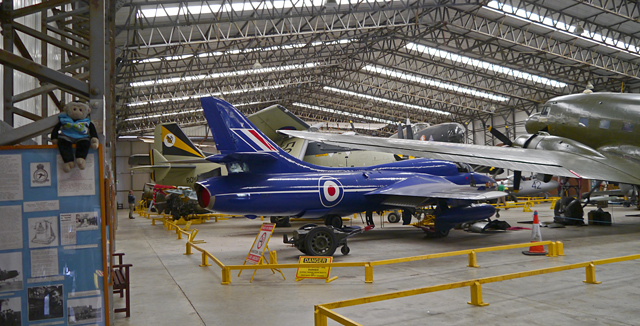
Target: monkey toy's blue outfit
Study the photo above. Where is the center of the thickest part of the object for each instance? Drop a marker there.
(69, 132)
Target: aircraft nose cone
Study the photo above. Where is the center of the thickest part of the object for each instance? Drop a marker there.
(533, 124)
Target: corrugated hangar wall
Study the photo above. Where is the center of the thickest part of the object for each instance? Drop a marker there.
(127, 179)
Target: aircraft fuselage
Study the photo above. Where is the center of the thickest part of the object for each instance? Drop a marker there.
(323, 192)
(598, 120)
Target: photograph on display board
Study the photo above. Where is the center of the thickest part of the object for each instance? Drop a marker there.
(10, 311)
(85, 310)
(86, 221)
(45, 302)
(11, 272)
(43, 232)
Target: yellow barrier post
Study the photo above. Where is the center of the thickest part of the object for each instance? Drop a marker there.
(273, 258)
(560, 248)
(473, 259)
(527, 207)
(591, 274)
(188, 252)
(319, 318)
(226, 275)
(476, 295)
(205, 260)
(553, 250)
(368, 273)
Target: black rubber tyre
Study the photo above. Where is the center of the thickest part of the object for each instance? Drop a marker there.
(333, 220)
(437, 234)
(393, 217)
(345, 250)
(570, 208)
(280, 221)
(320, 241)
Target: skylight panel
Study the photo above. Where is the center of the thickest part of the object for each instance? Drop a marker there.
(243, 51)
(194, 96)
(224, 74)
(434, 83)
(484, 65)
(209, 8)
(384, 100)
(549, 22)
(349, 114)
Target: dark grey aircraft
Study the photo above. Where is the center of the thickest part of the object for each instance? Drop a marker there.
(7, 275)
(587, 136)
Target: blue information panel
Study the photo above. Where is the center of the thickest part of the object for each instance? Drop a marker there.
(52, 258)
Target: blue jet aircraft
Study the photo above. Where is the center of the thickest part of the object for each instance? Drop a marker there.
(264, 180)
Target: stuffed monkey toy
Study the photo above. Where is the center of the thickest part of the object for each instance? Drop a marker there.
(74, 127)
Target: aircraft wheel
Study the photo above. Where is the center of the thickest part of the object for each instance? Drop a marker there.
(393, 217)
(437, 234)
(321, 241)
(345, 250)
(571, 208)
(280, 221)
(333, 220)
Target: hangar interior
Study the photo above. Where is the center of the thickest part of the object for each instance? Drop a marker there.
(480, 63)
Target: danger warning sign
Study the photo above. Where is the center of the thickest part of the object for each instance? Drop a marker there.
(317, 272)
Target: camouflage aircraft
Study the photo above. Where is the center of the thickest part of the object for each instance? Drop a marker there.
(586, 136)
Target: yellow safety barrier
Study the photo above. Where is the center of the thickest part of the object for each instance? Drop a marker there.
(323, 311)
(554, 248)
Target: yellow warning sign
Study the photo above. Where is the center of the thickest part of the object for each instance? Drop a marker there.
(317, 272)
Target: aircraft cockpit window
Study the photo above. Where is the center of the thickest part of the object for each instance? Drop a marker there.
(604, 124)
(237, 167)
(464, 167)
(627, 126)
(545, 111)
(584, 122)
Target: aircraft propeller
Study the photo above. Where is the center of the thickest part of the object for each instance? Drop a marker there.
(517, 175)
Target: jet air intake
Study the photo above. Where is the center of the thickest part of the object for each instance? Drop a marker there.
(205, 200)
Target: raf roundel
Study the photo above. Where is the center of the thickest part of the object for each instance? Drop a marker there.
(331, 191)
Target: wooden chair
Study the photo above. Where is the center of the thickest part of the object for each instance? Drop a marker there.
(121, 281)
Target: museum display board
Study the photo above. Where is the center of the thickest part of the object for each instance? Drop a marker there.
(53, 260)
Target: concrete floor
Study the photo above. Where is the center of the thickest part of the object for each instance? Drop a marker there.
(169, 288)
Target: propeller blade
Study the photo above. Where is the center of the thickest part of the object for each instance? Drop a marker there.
(400, 132)
(504, 139)
(517, 176)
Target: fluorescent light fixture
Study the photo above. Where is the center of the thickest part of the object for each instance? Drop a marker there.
(384, 100)
(434, 83)
(127, 137)
(349, 114)
(224, 74)
(484, 65)
(244, 51)
(560, 26)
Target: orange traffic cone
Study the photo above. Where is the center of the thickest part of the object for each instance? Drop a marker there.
(535, 237)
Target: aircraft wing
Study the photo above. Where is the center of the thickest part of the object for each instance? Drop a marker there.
(415, 190)
(566, 164)
(154, 168)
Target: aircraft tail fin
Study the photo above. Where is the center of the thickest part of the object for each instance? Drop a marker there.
(232, 131)
(171, 142)
(238, 139)
(158, 160)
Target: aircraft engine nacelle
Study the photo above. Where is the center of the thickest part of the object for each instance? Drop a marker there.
(547, 142)
(450, 217)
